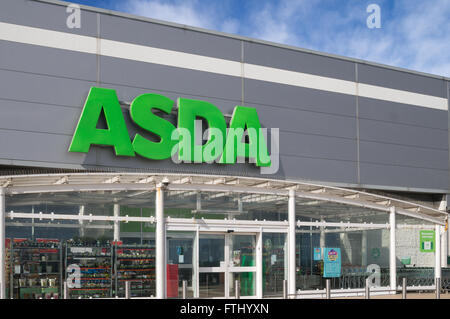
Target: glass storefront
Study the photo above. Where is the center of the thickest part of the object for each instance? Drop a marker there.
(97, 241)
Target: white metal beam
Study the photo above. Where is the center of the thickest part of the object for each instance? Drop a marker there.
(291, 244)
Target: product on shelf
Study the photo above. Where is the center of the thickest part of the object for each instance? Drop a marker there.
(35, 269)
(136, 264)
(94, 259)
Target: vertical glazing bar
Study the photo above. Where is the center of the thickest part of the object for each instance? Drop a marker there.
(160, 244)
(291, 243)
(237, 289)
(2, 244)
(392, 253)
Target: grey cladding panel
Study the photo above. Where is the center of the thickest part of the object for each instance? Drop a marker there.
(318, 169)
(165, 78)
(402, 113)
(42, 60)
(303, 145)
(398, 155)
(43, 89)
(385, 132)
(275, 57)
(40, 147)
(260, 92)
(400, 80)
(397, 176)
(306, 122)
(169, 38)
(38, 117)
(47, 16)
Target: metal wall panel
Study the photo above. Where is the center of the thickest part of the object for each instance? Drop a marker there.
(47, 61)
(401, 134)
(169, 38)
(47, 16)
(265, 93)
(275, 57)
(399, 155)
(43, 90)
(394, 79)
(402, 177)
(401, 113)
(159, 77)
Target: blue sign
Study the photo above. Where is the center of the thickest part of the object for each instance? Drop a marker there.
(331, 262)
(317, 254)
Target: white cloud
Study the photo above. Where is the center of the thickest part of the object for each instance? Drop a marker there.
(184, 12)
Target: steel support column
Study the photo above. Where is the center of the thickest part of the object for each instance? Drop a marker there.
(160, 241)
(116, 223)
(392, 253)
(259, 265)
(291, 244)
(364, 248)
(437, 253)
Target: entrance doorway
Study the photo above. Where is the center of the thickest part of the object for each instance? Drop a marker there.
(225, 258)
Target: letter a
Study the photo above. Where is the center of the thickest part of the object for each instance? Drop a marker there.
(374, 20)
(87, 132)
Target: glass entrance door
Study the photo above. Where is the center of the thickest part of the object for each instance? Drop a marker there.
(225, 258)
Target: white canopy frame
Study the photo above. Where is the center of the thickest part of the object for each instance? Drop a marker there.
(160, 183)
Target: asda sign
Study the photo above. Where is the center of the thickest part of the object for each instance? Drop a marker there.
(242, 141)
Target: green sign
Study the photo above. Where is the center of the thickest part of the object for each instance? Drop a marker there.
(427, 241)
(242, 139)
(375, 253)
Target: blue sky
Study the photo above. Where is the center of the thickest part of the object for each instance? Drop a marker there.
(414, 34)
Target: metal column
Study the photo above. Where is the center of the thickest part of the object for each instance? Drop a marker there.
(444, 242)
(116, 223)
(81, 222)
(2, 244)
(437, 254)
(160, 241)
(259, 265)
(322, 235)
(392, 253)
(364, 248)
(291, 244)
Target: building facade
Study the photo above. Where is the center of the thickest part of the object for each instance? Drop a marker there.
(93, 195)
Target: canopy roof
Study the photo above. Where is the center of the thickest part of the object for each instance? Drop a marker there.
(144, 182)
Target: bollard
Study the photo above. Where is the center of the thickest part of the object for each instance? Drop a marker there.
(367, 292)
(285, 294)
(328, 289)
(184, 289)
(65, 290)
(404, 288)
(127, 289)
(237, 289)
(438, 288)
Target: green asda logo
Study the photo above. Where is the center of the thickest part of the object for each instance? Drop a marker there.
(242, 141)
